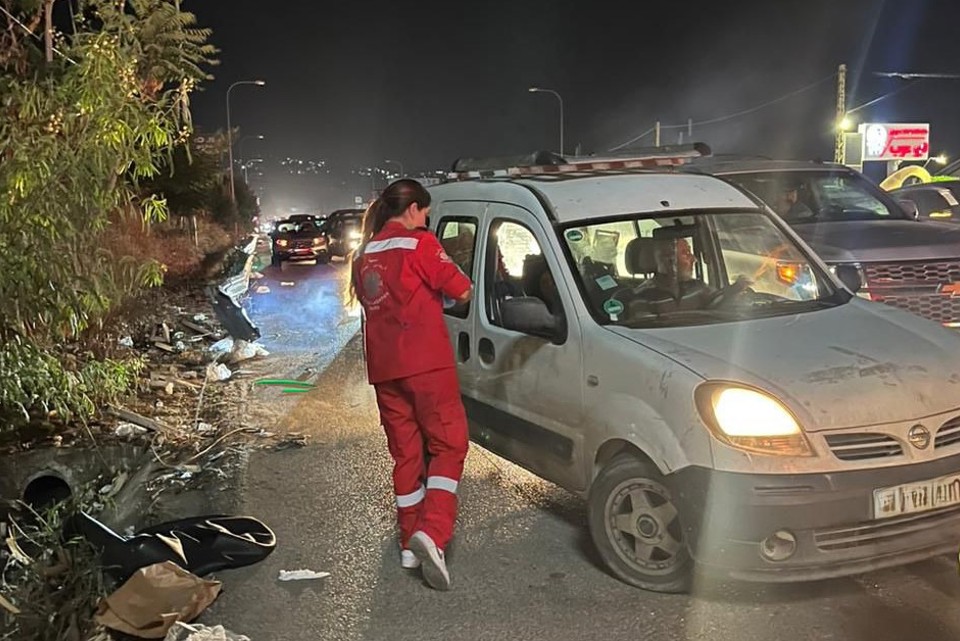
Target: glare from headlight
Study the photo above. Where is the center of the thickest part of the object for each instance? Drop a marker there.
(744, 412)
(354, 235)
(751, 420)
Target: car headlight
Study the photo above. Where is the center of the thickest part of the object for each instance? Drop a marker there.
(282, 243)
(320, 241)
(354, 235)
(751, 420)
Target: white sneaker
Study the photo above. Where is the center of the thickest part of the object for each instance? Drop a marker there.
(409, 560)
(431, 557)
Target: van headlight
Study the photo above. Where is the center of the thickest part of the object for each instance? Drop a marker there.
(751, 420)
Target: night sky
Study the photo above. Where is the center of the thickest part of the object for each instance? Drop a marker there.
(426, 82)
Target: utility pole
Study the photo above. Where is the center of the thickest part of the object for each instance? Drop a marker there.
(839, 150)
(656, 137)
(48, 28)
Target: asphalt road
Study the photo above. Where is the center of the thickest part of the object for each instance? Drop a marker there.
(522, 563)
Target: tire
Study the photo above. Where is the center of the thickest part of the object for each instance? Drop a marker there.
(636, 527)
(283, 266)
(275, 260)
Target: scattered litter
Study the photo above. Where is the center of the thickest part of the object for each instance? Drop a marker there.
(183, 632)
(301, 575)
(137, 419)
(9, 607)
(244, 350)
(287, 283)
(222, 346)
(216, 457)
(205, 428)
(154, 599)
(256, 276)
(199, 318)
(129, 430)
(218, 372)
(292, 441)
(170, 349)
(126, 341)
(16, 552)
(263, 289)
(180, 346)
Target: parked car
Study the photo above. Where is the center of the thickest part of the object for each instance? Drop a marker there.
(298, 239)
(850, 221)
(938, 201)
(666, 347)
(343, 229)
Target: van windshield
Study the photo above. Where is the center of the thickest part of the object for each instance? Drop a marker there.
(694, 269)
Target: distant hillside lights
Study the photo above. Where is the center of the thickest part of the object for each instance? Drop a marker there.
(299, 167)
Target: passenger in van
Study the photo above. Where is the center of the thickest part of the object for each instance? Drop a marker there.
(400, 275)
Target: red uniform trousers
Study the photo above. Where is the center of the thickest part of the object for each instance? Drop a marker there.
(425, 411)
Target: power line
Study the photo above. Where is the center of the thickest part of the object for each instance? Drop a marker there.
(27, 29)
(739, 114)
(883, 97)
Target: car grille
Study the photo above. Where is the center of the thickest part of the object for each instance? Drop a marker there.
(946, 272)
(860, 447)
(948, 434)
(891, 283)
(854, 536)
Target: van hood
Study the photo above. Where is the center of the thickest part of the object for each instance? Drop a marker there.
(885, 241)
(853, 365)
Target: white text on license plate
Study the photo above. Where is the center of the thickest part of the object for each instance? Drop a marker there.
(921, 496)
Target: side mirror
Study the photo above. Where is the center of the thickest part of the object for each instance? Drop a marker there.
(529, 315)
(909, 207)
(849, 275)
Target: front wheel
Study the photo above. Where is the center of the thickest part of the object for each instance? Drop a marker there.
(636, 527)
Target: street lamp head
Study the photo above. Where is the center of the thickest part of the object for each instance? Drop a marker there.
(533, 89)
(942, 159)
(260, 83)
(846, 123)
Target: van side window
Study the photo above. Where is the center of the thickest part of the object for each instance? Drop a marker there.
(458, 237)
(516, 267)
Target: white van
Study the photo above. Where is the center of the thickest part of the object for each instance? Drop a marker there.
(664, 345)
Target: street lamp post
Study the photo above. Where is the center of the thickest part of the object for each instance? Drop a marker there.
(243, 157)
(551, 91)
(397, 162)
(259, 83)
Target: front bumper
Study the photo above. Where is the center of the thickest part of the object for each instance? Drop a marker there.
(727, 516)
(301, 253)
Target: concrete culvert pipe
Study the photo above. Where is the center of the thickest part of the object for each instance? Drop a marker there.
(46, 490)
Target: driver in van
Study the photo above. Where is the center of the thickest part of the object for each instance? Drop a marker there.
(675, 283)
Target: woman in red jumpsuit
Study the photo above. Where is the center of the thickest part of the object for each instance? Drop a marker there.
(401, 276)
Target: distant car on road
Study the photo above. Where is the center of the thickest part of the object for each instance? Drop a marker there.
(299, 238)
(848, 220)
(938, 201)
(343, 229)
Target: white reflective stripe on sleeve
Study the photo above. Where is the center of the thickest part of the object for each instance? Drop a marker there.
(442, 483)
(378, 246)
(409, 500)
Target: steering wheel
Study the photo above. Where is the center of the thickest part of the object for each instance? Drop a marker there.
(735, 288)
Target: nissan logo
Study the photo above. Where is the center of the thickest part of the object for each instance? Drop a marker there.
(919, 437)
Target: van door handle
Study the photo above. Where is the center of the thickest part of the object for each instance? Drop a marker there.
(488, 354)
(463, 347)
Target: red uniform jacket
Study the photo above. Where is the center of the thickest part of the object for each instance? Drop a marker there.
(401, 277)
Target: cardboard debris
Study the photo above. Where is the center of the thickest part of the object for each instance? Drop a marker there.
(154, 599)
(263, 289)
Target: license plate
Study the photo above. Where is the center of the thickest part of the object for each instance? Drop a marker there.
(921, 496)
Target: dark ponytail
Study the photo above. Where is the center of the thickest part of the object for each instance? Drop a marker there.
(393, 201)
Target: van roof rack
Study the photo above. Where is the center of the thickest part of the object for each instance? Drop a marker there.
(548, 164)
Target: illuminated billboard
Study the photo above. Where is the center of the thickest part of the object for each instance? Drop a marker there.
(895, 141)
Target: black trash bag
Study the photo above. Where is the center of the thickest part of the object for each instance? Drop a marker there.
(233, 316)
(201, 545)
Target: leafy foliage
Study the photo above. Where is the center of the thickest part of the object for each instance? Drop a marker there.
(77, 137)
